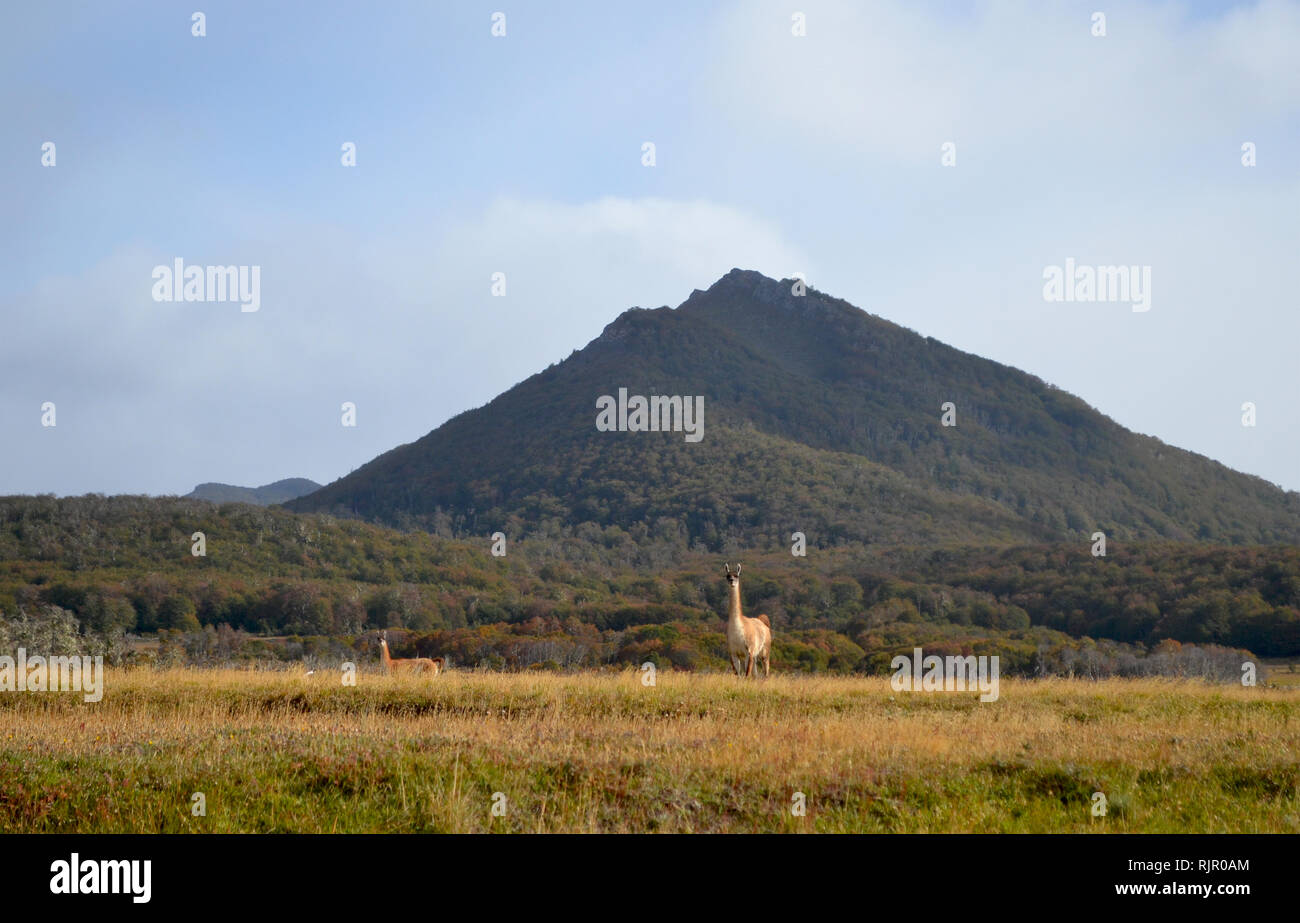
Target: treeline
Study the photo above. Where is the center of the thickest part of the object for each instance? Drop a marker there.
(123, 565)
(1237, 596)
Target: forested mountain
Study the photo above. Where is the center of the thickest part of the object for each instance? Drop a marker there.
(818, 418)
(266, 495)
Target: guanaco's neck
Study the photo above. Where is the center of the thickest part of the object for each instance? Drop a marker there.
(383, 652)
(733, 609)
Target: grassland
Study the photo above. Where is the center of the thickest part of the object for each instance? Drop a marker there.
(602, 752)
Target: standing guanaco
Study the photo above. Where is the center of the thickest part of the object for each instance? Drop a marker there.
(748, 640)
(431, 665)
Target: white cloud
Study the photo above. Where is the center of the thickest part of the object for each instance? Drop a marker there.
(895, 79)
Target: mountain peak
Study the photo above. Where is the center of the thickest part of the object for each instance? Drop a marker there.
(747, 277)
(754, 284)
(738, 290)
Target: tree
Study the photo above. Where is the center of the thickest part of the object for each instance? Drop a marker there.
(177, 612)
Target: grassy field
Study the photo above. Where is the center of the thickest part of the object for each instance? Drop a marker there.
(602, 752)
(1282, 672)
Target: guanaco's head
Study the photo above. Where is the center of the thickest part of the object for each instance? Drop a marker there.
(733, 578)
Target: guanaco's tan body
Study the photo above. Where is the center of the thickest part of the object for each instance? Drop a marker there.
(749, 641)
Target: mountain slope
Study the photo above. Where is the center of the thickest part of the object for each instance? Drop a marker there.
(818, 418)
(266, 495)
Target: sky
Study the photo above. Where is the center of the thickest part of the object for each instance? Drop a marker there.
(523, 154)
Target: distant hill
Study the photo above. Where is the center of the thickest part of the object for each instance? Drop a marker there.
(266, 495)
(819, 418)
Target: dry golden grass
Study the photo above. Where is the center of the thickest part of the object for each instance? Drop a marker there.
(602, 752)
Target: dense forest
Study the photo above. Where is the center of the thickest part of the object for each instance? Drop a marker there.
(108, 567)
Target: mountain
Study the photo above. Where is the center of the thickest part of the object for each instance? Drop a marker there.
(818, 418)
(266, 495)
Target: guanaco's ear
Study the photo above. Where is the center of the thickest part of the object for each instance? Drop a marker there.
(737, 570)
(726, 568)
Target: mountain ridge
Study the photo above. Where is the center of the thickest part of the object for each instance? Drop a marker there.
(816, 372)
(266, 495)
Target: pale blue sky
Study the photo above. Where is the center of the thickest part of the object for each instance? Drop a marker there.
(522, 154)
